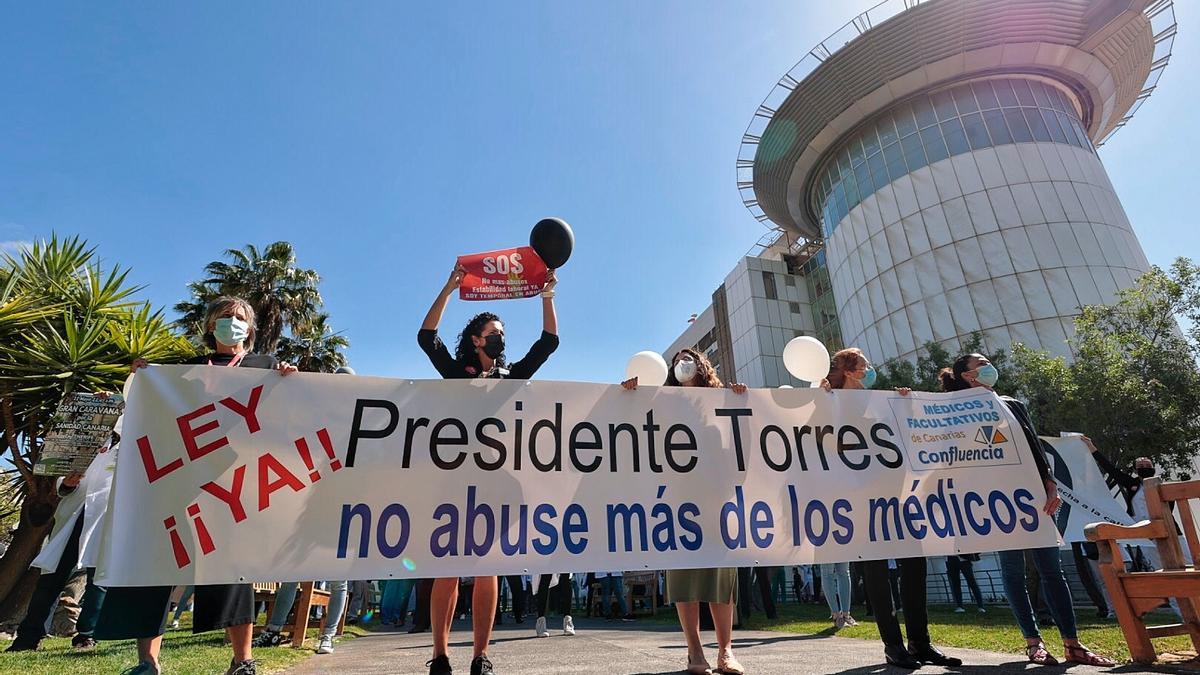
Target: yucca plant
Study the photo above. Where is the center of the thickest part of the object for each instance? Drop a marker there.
(66, 324)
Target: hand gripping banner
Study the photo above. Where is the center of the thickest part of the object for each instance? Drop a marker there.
(228, 475)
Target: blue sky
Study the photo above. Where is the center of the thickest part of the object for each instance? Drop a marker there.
(383, 139)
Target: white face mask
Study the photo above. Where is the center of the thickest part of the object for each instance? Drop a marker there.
(685, 370)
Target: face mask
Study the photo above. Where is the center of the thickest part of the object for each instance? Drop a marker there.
(685, 371)
(868, 379)
(231, 331)
(493, 345)
(988, 375)
(1145, 471)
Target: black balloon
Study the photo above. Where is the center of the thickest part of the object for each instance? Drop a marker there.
(553, 241)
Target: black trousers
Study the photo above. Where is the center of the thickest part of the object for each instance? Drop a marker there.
(760, 577)
(557, 598)
(956, 567)
(1084, 570)
(424, 601)
(517, 590)
(50, 585)
(912, 591)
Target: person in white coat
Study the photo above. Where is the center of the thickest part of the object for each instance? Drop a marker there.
(73, 544)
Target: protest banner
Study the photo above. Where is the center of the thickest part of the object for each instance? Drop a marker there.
(82, 424)
(235, 475)
(1086, 496)
(502, 275)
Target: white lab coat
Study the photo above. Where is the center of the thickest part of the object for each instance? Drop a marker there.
(90, 499)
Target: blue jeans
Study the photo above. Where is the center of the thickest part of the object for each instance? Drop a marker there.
(614, 585)
(285, 597)
(835, 584)
(1055, 591)
(393, 605)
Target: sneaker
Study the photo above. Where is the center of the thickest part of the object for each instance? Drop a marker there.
(246, 667)
(175, 624)
(628, 618)
(268, 638)
(439, 665)
(481, 665)
(983, 610)
(568, 625)
(959, 610)
(850, 620)
(839, 621)
(540, 629)
(325, 646)
(83, 643)
(143, 668)
(19, 646)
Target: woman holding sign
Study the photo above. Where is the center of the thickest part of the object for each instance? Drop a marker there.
(717, 587)
(141, 611)
(974, 370)
(850, 369)
(478, 353)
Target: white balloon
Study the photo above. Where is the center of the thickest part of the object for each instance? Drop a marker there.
(806, 358)
(648, 367)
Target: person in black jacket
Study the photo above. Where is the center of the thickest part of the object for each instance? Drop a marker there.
(974, 370)
(479, 353)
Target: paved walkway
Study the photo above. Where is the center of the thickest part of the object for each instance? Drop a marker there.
(602, 648)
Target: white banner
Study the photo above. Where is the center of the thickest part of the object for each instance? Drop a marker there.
(230, 475)
(1086, 496)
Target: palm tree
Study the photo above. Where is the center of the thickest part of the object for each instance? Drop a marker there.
(66, 324)
(280, 292)
(314, 347)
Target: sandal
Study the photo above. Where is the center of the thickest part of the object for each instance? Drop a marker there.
(1083, 655)
(1038, 654)
(728, 665)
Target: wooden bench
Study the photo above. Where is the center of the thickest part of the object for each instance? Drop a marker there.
(1136, 593)
(307, 597)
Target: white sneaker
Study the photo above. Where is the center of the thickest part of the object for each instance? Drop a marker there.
(959, 610)
(175, 624)
(325, 646)
(540, 629)
(568, 625)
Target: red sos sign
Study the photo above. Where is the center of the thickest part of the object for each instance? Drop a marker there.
(501, 275)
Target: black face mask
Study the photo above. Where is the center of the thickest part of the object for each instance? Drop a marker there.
(1146, 472)
(493, 346)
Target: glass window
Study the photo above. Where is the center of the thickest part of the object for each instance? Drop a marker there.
(1024, 95)
(1051, 120)
(965, 100)
(914, 154)
(843, 166)
(769, 286)
(994, 120)
(851, 187)
(856, 152)
(905, 124)
(878, 171)
(924, 112)
(1017, 125)
(987, 97)
(976, 133)
(892, 153)
(943, 104)
(934, 146)
(870, 142)
(956, 139)
(862, 176)
(1076, 129)
(1036, 125)
(1004, 92)
(1056, 99)
(887, 131)
(1039, 94)
(896, 169)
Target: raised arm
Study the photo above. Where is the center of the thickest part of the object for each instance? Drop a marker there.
(549, 317)
(434, 316)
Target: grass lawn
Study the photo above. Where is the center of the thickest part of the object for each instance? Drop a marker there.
(994, 631)
(182, 654)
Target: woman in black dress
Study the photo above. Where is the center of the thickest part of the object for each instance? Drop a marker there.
(141, 611)
(479, 353)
